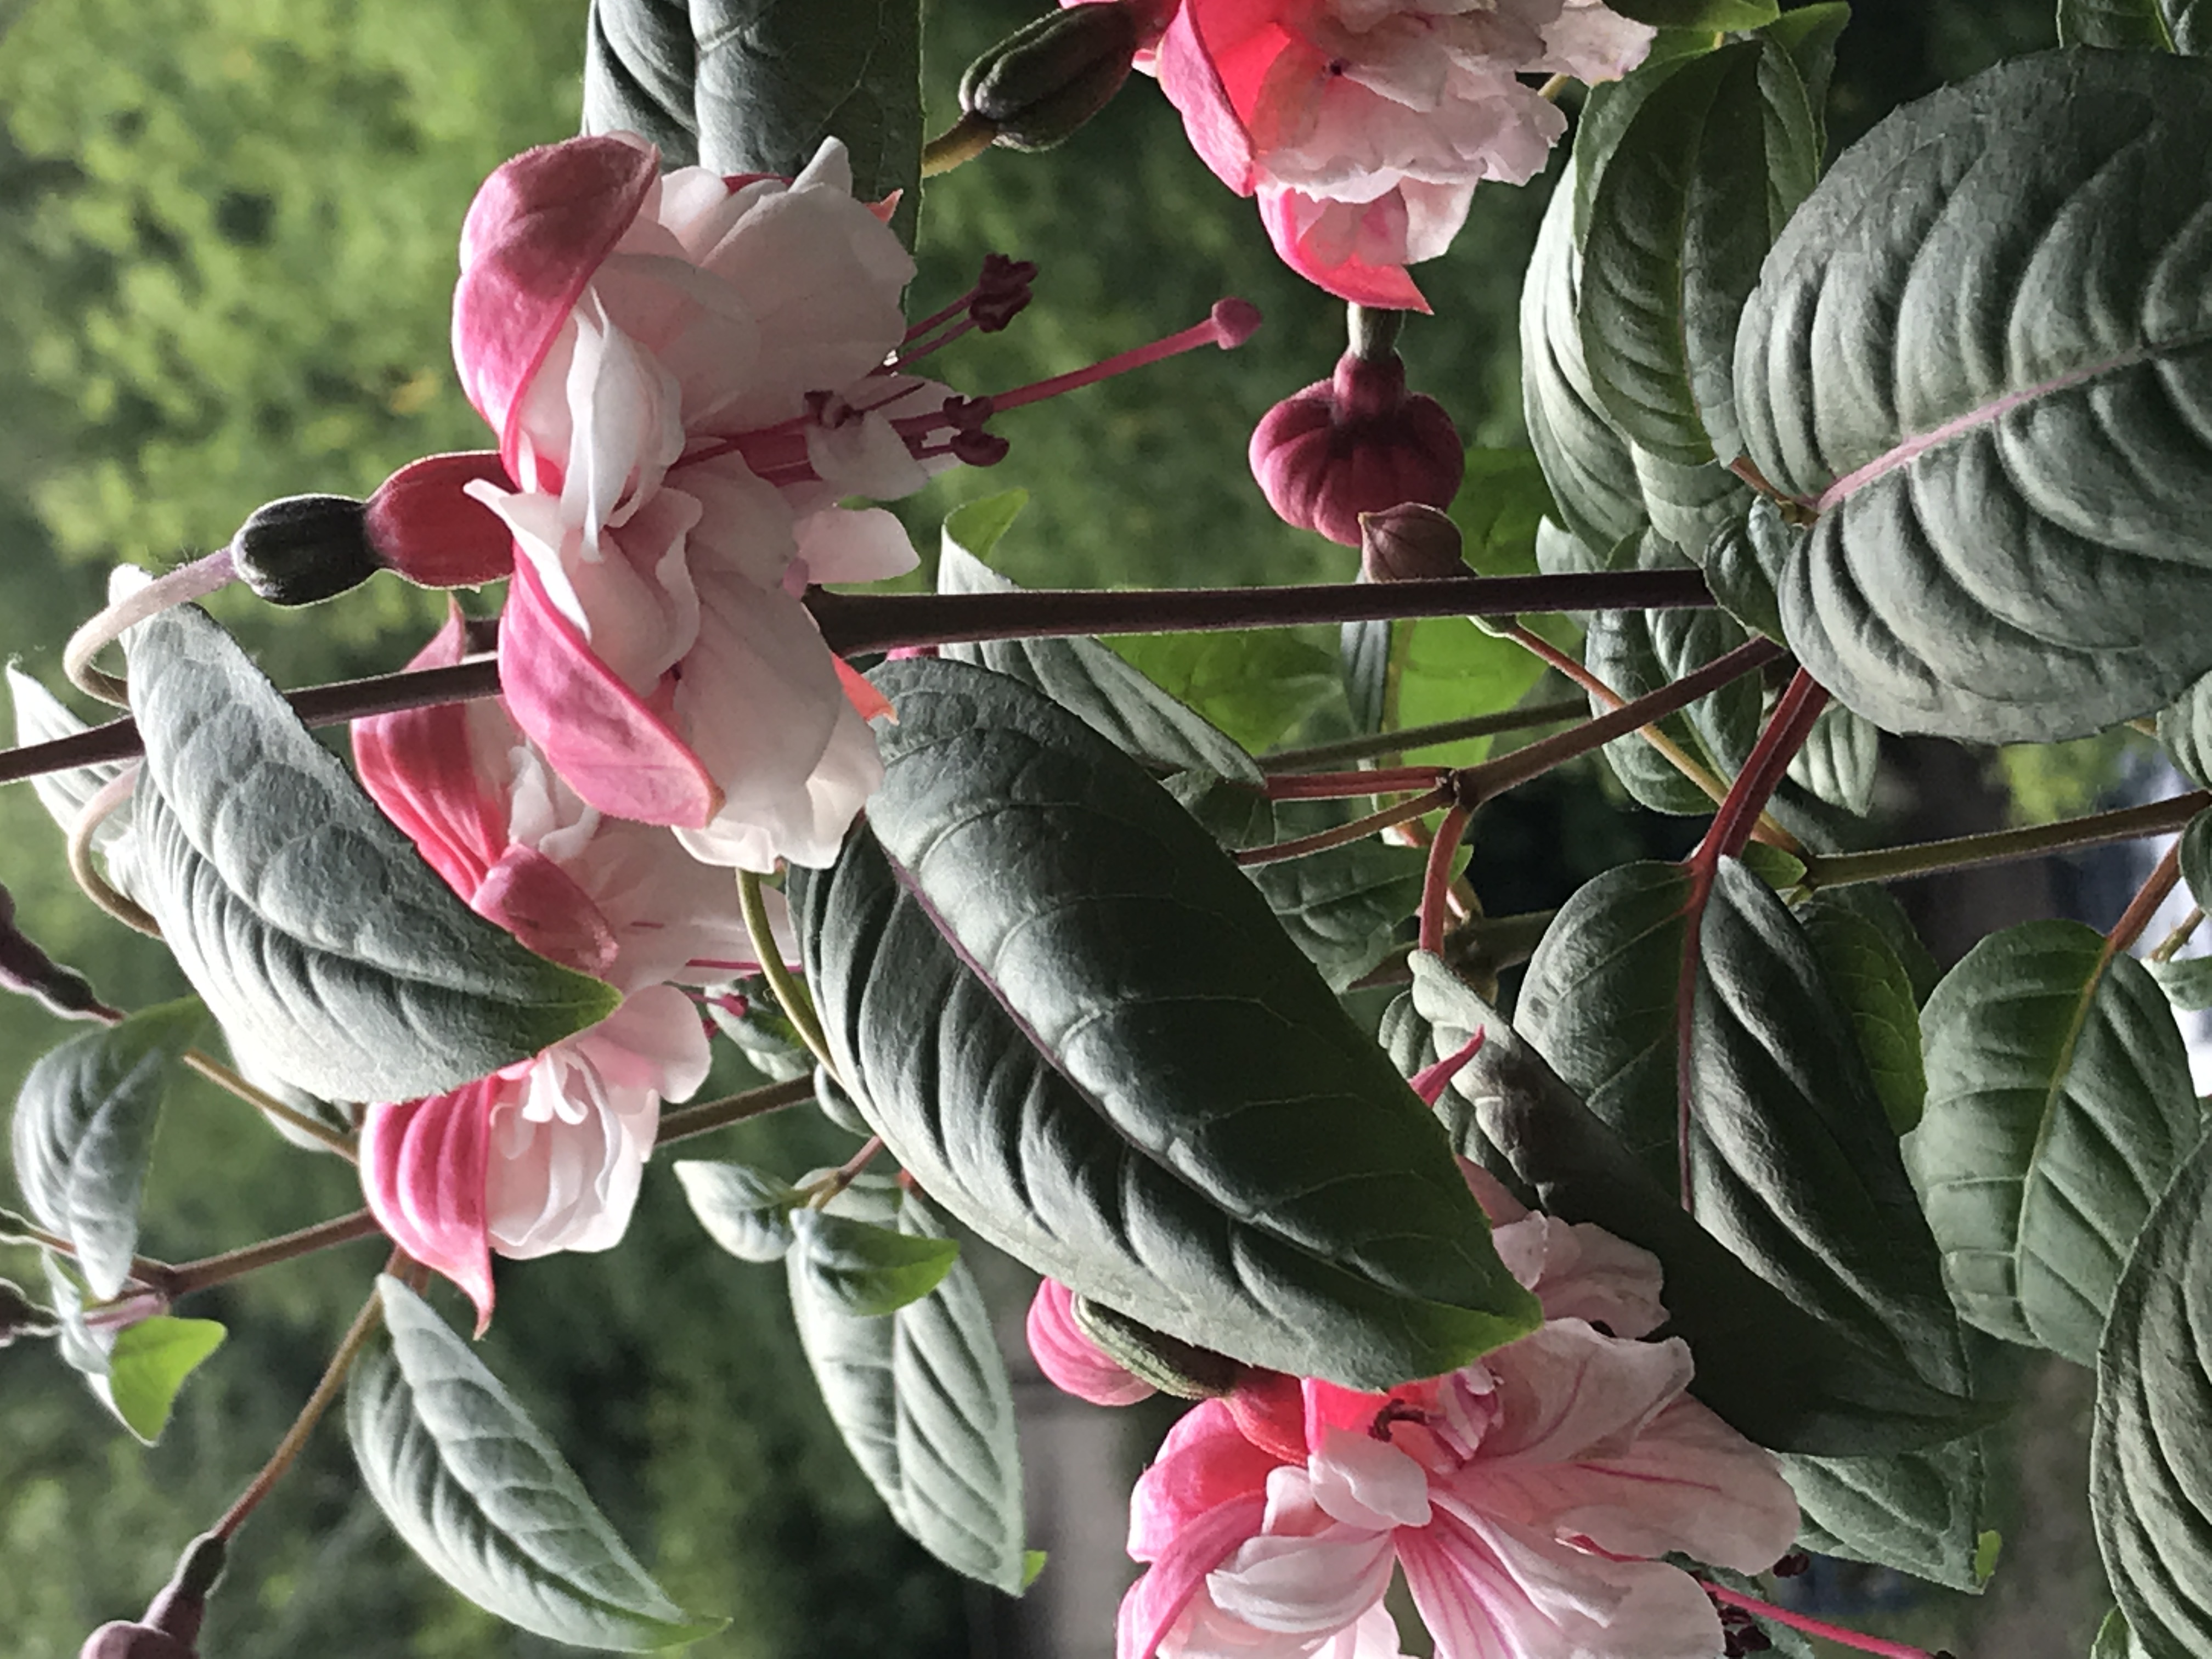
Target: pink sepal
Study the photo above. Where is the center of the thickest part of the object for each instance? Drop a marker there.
(1204, 1495)
(542, 906)
(424, 526)
(423, 1167)
(1384, 287)
(417, 765)
(1430, 1081)
(871, 704)
(600, 735)
(1071, 1361)
(1269, 1410)
(535, 236)
(1194, 85)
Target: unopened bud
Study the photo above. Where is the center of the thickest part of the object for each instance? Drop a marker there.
(1044, 81)
(171, 1625)
(1353, 444)
(20, 1316)
(303, 548)
(1408, 542)
(423, 525)
(1174, 1368)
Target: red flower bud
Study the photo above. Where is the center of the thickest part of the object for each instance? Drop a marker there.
(1408, 542)
(423, 525)
(1356, 443)
(171, 1626)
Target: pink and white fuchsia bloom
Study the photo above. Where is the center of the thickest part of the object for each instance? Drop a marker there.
(1525, 1497)
(687, 375)
(1364, 126)
(545, 1155)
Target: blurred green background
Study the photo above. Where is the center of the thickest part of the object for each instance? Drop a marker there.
(226, 228)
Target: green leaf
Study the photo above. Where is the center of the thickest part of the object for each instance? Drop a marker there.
(149, 1362)
(1585, 459)
(1689, 505)
(1839, 759)
(1700, 14)
(1253, 685)
(761, 1032)
(2115, 1640)
(1876, 994)
(2059, 1105)
(1981, 349)
(83, 1133)
(923, 1401)
(2153, 1437)
(1792, 1163)
(1101, 1052)
(863, 1270)
(1809, 35)
(2183, 26)
(1502, 499)
(2186, 982)
(753, 86)
(1703, 179)
(748, 1212)
(1782, 1377)
(2185, 726)
(1741, 576)
(1342, 908)
(1363, 651)
(1875, 904)
(1923, 1512)
(2196, 856)
(480, 1494)
(1082, 675)
(1447, 668)
(40, 717)
(314, 931)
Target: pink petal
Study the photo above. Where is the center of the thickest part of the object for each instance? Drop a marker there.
(1071, 1361)
(612, 749)
(425, 525)
(1312, 1586)
(423, 1166)
(1155, 1601)
(1205, 1463)
(421, 765)
(1386, 288)
(1269, 1409)
(1568, 1392)
(542, 906)
(1194, 85)
(538, 230)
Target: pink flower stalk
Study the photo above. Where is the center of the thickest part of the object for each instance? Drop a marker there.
(688, 375)
(545, 1155)
(1525, 1497)
(1354, 444)
(1364, 126)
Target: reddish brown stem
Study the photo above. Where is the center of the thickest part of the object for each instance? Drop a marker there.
(1436, 886)
(1343, 786)
(1357, 830)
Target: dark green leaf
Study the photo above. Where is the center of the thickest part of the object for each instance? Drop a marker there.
(84, 1131)
(2059, 1105)
(1253, 686)
(1699, 13)
(1780, 1376)
(767, 1039)
(2153, 1439)
(2185, 726)
(1362, 652)
(1101, 1052)
(149, 1362)
(2184, 26)
(480, 1494)
(1793, 1164)
(1839, 759)
(1981, 349)
(310, 925)
(1737, 571)
(1690, 505)
(923, 1401)
(1342, 908)
(1409, 1037)
(1082, 675)
(1876, 994)
(1923, 1512)
(2114, 1639)
(1872, 902)
(1809, 35)
(2187, 982)
(1585, 459)
(1700, 184)
(745, 1211)
(755, 86)
(862, 1270)
(2196, 856)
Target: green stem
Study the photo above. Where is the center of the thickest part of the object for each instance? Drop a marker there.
(190, 1276)
(790, 995)
(1343, 834)
(958, 144)
(1405, 740)
(2171, 946)
(2000, 847)
(262, 1101)
(712, 1114)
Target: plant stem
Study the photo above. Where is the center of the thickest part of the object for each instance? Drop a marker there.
(790, 995)
(1786, 730)
(1408, 739)
(1964, 852)
(958, 144)
(1436, 882)
(357, 1338)
(1357, 830)
(844, 1175)
(2180, 936)
(2147, 898)
(1345, 785)
(266, 1103)
(144, 1270)
(189, 1276)
(1851, 1638)
(711, 1114)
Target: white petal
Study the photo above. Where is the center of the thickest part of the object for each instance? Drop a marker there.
(864, 545)
(1365, 1482)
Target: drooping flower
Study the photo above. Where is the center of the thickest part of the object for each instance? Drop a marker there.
(546, 1154)
(1525, 1497)
(1364, 126)
(688, 375)
(1353, 444)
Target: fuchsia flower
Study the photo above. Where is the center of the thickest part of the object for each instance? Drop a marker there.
(1364, 126)
(1526, 1496)
(545, 1155)
(1353, 444)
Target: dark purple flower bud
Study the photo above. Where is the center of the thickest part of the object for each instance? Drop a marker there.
(29, 971)
(170, 1627)
(1356, 443)
(1410, 542)
(304, 549)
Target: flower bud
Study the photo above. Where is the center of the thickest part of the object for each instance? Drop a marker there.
(1174, 1368)
(1353, 444)
(1048, 77)
(424, 525)
(303, 548)
(1409, 543)
(171, 1625)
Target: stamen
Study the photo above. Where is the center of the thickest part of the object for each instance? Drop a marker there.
(1394, 1410)
(1841, 1635)
(1232, 323)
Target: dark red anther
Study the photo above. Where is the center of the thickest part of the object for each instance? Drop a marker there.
(1001, 292)
(978, 448)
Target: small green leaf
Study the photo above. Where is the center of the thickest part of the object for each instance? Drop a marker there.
(1839, 759)
(745, 1211)
(1876, 993)
(307, 920)
(1253, 686)
(480, 1494)
(1809, 35)
(1700, 14)
(149, 1362)
(2059, 1105)
(83, 1133)
(1987, 1548)
(2182, 26)
(923, 1401)
(1502, 499)
(1446, 668)
(2115, 1640)
(2187, 982)
(2185, 726)
(1033, 1563)
(863, 1270)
